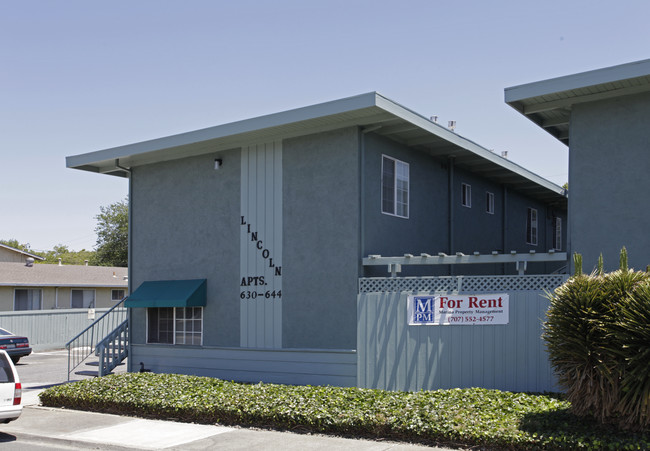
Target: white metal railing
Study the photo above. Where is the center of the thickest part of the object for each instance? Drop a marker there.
(85, 343)
(520, 260)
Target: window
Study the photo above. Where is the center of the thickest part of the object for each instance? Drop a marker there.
(466, 195)
(175, 325)
(557, 233)
(82, 299)
(160, 325)
(28, 299)
(6, 373)
(489, 202)
(188, 326)
(531, 227)
(394, 187)
(117, 295)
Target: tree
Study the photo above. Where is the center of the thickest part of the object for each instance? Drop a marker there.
(69, 257)
(113, 235)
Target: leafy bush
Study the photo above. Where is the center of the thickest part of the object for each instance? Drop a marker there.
(597, 333)
(467, 417)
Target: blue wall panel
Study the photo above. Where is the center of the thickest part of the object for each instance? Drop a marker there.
(395, 356)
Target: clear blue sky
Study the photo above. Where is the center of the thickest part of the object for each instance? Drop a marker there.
(80, 76)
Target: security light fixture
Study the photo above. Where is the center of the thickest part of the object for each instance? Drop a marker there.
(217, 163)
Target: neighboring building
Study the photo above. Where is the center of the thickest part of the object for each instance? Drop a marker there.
(602, 115)
(42, 286)
(247, 239)
(13, 255)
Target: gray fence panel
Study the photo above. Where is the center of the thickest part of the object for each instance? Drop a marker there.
(282, 366)
(395, 356)
(48, 329)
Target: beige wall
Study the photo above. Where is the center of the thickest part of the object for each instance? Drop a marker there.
(10, 256)
(58, 298)
(6, 298)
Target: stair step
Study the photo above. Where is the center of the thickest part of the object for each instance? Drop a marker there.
(96, 363)
(87, 373)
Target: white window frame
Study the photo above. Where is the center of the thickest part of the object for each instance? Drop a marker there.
(557, 233)
(401, 175)
(175, 341)
(94, 303)
(489, 202)
(30, 290)
(117, 290)
(466, 195)
(531, 226)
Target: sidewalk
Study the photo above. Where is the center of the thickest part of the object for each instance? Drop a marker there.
(81, 430)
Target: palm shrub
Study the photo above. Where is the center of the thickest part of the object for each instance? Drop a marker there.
(574, 337)
(596, 346)
(632, 331)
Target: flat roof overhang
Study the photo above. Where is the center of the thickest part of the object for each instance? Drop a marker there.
(548, 103)
(371, 112)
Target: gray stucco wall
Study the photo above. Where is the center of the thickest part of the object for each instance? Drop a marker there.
(185, 225)
(320, 240)
(609, 183)
(427, 228)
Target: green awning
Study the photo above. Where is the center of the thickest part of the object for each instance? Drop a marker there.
(169, 293)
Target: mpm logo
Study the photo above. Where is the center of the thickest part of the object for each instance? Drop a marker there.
(423, 308)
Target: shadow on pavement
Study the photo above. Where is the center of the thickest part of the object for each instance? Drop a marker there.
(6, 438)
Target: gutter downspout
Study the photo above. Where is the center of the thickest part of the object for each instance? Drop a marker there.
(450, 220)
(504, 228)
(129, 254)
(362, 192)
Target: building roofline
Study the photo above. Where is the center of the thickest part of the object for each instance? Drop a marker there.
(579, 80)
(62, 285)
(28, 254)
(82, 161)
(368, 111)
(548, 103)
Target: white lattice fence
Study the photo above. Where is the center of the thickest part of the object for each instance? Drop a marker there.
(458, 284)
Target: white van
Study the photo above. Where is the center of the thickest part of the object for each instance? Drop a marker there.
(10, 390)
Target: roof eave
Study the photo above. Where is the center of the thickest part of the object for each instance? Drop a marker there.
(548, 103)
(370, 109)
(99, 161)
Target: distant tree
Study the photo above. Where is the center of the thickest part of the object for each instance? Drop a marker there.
(69, 257)
(113, 235)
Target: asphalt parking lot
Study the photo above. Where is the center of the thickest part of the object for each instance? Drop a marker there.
(40, 370)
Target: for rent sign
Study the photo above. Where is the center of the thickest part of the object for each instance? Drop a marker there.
(445, 310)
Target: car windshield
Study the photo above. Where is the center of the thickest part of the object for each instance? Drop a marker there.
(5, 332)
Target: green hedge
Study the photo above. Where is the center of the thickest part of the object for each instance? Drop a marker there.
(467, 417)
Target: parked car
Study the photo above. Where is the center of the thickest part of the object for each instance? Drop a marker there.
(11, 391)
(15, 345)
